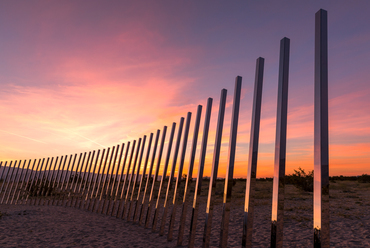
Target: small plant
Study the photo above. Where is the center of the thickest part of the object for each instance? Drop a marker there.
(301, 179)
(365, 178)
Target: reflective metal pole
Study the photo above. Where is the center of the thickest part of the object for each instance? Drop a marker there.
(179, 175)
(115, 179)
(6, 177)
(106, 179)
(277, 222)
(83, 179)
(189, 177)
(155, 219)
(253, 154)
(110, 190)
(125, 206)
(91, 180)
(215, 162)
(59, 177)
(65, 181)
(137, 200)
(198, 185)
(100, 183)
(152, 192)
(48, 189)
(134, 200)
(321, 211)
(118, 180)
(148, 178)
(230, 166)
(15, 183)
(94, 189)
(86, 181)
(124, 182)
(27, 181)
(75, 180)
(24, 174)
(32, 183)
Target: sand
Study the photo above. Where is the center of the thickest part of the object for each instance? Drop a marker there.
(57, 226)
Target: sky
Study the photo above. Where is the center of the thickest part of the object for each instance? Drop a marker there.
(77, 76)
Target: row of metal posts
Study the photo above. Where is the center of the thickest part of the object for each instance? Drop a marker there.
(99, 186)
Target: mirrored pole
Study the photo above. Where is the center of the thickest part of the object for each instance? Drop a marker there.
(95, 180)
(153, 192)
(83, 180)
(32, 183)
(90, 182)
(59, 178)
(161, 186)
(127, 200)
(27, 181)
(178, 179)
(148, 178)
(277, 217)
(98, 195)
(15, 183)
(170, 180)
(22, 179)
(110, 186)
(213, 178)
(63, 188)
(85, 190)
(68, 179)
(137, 200)
(106, 179)
(253, 154)
(321, 212)
(5, 179)
(230, 166)
(136, 175)
(189, 177)
(40, 181)
(74, 178)
(49, 180)
(119, 180)
(198, 184)
(115, 178)
(125, 180)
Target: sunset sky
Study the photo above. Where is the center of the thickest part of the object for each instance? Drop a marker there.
(77, 76)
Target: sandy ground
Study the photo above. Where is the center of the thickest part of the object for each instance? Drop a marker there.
(57, 226)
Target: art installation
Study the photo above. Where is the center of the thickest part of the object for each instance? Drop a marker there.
(124, 181)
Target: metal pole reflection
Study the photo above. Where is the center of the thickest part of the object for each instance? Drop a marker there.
(155, 219)
(252, 157)
(213, 178)
(321, 210)
(170, 180)
(277, 222)
(198, 185)
(178, 179)
(189, 177)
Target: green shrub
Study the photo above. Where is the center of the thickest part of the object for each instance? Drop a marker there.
(301, 179)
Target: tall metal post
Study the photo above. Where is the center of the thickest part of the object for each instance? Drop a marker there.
(137, 200)
(155, 219)
(215, 162)
(170, 180)
(321, 211)
(189, 177)
(148, 178)
(277, 222)
(125, 206)
(230, 166)
(253, 154)
(152, 192)
(198, 185)
(178, 179)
